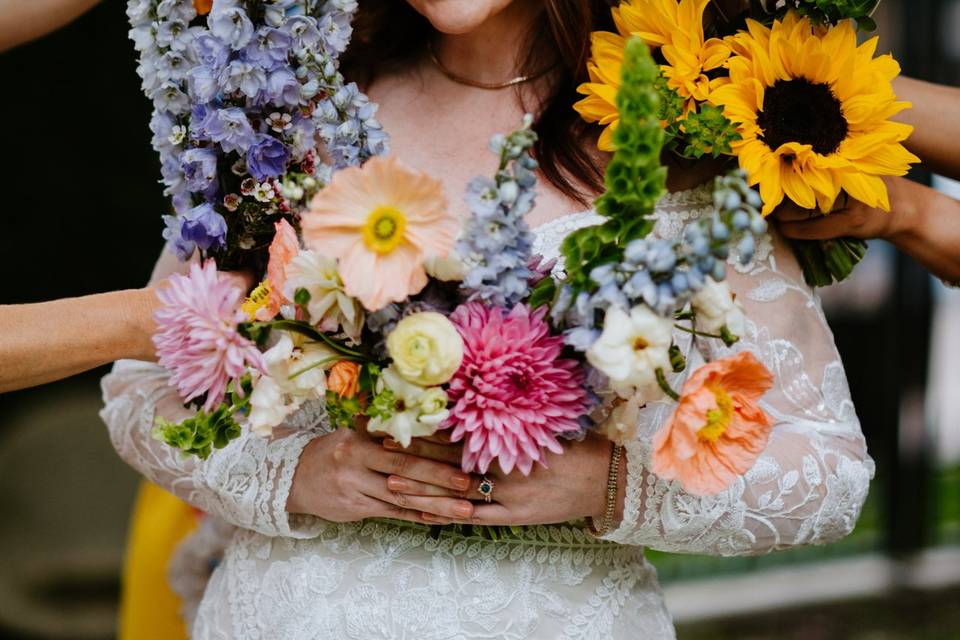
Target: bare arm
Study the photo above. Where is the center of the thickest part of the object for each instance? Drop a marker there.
(51, 340)
(48, 341)
(935, 130)
(25, 20)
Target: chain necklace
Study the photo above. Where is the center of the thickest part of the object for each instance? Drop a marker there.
(490, 86)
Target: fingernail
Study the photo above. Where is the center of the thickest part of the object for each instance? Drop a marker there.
(461, 482)
(390, 443)
(396, 484)
(463, 511)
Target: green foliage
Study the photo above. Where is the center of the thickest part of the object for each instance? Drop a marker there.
(343, 412)
(703, 132)
(200, 434)
(543, 293)
(635, 179)
(383, 405)
(833, 11)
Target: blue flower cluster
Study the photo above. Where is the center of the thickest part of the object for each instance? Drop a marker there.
(665, 274)
(237, 99)
(496, 244)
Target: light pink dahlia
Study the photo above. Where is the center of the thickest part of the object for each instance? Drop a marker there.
(197, 338)
(513, 395)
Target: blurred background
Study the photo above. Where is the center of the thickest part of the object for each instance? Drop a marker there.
(77, 146)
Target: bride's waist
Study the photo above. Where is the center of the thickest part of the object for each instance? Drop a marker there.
(543, 543)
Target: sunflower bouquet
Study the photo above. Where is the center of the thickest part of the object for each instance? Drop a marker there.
(803, 107)
(379, 306)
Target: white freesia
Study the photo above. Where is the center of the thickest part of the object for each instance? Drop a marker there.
(296, 372)
(426, 348)
(448, 268)
(716, 307)
(631, 349)
(329, 307)
(420, 410)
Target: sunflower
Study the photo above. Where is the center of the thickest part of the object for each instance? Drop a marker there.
(675, 28)
(813, 110)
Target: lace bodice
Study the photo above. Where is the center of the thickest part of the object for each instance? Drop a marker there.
(312, 579)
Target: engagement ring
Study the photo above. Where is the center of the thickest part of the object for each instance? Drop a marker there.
(486, 489)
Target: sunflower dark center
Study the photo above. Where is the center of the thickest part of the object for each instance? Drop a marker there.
(802, 111)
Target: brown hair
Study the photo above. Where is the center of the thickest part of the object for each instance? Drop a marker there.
(389, 33)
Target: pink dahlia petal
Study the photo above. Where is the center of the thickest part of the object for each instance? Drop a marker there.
(197, 338)
(513, 396)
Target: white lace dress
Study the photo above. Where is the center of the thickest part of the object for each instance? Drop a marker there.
(303, 578)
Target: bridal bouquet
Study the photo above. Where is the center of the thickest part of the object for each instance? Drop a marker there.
(389, 310)
(803, 107)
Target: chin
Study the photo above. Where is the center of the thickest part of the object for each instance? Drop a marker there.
(456, 17)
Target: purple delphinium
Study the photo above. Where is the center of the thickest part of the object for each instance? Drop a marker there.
(210, 51)
(202, 83)
(243, 77)
(231, 25)
(229, 128)
(267, 158)
(269, 48)
(199, 167)
(204, 227)
(283, 88)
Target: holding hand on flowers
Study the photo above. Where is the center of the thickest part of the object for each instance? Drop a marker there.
(923, 223)
(342, 477)
(570, 486)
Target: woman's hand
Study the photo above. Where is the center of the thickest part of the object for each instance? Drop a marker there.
(922, 222)
(854, 219)
(342, 477)
(572, 485)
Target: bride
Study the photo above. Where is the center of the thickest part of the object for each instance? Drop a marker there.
(312, 553)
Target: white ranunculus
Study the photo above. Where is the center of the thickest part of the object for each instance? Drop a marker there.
(426, 348)
(449, 268)
(631, 348)
(330, 308)
(715, 308)
(421, 410)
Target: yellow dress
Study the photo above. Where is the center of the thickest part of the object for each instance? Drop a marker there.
(149, 609)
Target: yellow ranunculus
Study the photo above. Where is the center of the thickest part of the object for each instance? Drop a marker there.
(426, 348)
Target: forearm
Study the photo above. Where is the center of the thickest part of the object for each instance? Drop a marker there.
(929, 230)
(47, 341)
(25, 20)
(935, 132)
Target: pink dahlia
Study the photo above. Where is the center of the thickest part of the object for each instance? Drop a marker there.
(513, 394)
(197, 338)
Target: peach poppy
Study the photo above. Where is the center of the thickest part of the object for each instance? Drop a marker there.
(718, 430)
(381, 221)
(265, 301)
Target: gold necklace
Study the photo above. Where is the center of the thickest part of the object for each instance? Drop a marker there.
(489, 86)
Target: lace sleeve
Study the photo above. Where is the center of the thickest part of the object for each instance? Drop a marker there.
(246, 483)
(810, 484)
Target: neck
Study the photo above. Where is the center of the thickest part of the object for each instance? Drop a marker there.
(491, 52)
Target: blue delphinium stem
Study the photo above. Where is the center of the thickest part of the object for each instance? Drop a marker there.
(497, 243)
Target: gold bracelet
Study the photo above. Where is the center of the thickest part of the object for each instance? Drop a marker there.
(613, 484)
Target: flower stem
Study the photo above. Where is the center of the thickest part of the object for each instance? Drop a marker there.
(667, 389)
(701, 334)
